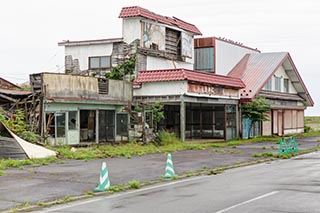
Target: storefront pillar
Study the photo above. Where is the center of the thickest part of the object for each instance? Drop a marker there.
(182, 119)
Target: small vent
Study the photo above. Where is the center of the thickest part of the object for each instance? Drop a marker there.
(103, 85)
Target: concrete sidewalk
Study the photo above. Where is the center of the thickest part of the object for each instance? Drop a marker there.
(75, 177)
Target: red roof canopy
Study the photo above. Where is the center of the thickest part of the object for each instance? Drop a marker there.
(189, 75)
(137, 11)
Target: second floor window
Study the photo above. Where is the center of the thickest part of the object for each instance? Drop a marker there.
(286, 85)
(99, 62)
(277, 83)
(268, 85)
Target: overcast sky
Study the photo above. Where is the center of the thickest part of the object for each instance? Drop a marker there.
(30, 30)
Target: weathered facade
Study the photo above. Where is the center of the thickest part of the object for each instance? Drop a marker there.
(76, 109)
(275, 77)
(197, 105)
(158, 42)
(194, 108)
(218, 55)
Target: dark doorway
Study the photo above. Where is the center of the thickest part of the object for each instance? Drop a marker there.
(87, 125)
(106, 126)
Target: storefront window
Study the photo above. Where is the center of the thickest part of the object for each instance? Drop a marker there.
(61, 124)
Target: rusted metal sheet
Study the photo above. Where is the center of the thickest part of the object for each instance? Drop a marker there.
(204, 42)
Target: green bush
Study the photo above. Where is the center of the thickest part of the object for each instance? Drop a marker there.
(17, 124)
(167, 138)
(134, 184)
(307, 129)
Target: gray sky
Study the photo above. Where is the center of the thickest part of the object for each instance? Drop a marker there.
(30, 30)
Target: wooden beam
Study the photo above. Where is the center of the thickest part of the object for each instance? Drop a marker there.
(8, 98)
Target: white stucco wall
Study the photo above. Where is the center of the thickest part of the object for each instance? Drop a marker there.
(83, 52)
(228, 55)
(154, 63)
(131, 29)
(282, 74)
(162, 88)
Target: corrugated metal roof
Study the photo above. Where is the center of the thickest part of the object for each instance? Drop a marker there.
(136, 11)
(189, 75)
(255, 69)
(15, 92)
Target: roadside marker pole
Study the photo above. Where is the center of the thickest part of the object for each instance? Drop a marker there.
(283, 147)
(293, 145)
(169, 172)
(104, 182)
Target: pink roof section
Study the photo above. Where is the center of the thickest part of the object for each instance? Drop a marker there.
(255, 69)
(189, 75)
(136, 11)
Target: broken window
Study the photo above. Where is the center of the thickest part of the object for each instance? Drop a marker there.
(50, 127)
(56, 124)
(173, 43)
(73, 120)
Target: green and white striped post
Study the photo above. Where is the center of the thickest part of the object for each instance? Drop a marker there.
(169, 172)
(104, 182)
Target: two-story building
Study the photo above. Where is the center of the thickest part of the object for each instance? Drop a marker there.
(270, 75)
(158, 42)
(177, 67)
(275, 77)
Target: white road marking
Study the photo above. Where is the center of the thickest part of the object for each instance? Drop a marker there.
(248, 201)
(121, 194)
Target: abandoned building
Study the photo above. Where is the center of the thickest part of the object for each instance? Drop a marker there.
(270, 75)
(158, 42)
(275, 77)
(78, 109)
(197, 105)
(191, 76)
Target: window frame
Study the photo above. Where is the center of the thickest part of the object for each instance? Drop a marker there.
(277, 83)
(286, 85)
(268, 85)
(100, 66)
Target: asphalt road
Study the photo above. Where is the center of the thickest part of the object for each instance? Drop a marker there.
(280, 186)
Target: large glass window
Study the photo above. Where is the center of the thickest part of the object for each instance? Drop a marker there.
(99, 62)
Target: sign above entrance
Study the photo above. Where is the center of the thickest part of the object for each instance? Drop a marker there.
(211, 90)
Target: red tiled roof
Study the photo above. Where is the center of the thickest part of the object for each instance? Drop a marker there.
(137, 11)
(189, 75)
